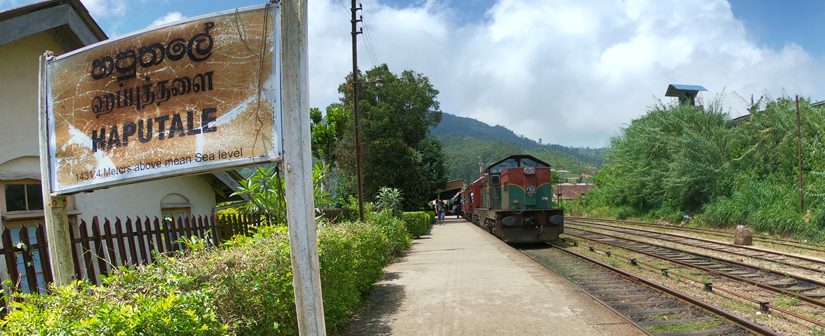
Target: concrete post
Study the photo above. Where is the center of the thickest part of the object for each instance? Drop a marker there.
(54, 206)
(298, 168)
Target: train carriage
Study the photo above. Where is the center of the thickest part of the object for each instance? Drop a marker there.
(513, 200)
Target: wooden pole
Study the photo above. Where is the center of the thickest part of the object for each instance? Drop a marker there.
(799, 155)
(306, 279)
(357, 116)
(57, 226)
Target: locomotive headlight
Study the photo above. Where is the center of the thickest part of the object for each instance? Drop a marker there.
(529, 170)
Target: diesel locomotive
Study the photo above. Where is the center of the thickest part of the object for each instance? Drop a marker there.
(513, 200)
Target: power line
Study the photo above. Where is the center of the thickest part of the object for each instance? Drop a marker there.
(370, 45)
(344, 6)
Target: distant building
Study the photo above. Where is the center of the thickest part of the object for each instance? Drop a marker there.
(687, 94)
(450, 189)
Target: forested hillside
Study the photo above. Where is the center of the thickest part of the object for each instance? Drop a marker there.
(465, 141)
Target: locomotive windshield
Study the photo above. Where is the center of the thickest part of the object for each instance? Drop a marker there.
(527, 162)
(514, 163)
(509, 163)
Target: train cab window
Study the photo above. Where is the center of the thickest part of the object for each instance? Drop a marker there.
(509, 163)
(526, 162)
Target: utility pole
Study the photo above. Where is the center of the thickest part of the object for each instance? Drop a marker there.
(358, 153)
(799, 156)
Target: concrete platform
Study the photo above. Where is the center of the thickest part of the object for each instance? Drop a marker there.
(462, 281)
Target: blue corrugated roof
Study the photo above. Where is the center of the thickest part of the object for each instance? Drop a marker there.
(688, 87)
(678, 90)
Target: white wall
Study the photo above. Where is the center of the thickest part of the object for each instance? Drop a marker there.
(18, 94)
(143, 199)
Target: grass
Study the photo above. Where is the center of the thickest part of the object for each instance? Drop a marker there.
(739, 306)
(615, 263)
(786, 301)
(684, 327)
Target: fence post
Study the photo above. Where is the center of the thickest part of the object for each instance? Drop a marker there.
(111, 256)
(28, 260)
(44, 255)
(133, 256)
(102, 267)
(77, 257)
(11, 258)
(215, 227)
(86, 250)
(144, 238)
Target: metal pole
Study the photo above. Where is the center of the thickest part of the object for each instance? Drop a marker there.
(358, 153)
(56, 219)
(799, 155)
(306, 279)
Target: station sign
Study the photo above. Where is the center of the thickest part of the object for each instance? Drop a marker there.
(190, 97)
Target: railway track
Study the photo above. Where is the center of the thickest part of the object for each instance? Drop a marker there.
(655, 309)
(807, 290)
(813, 265)
(819, 249)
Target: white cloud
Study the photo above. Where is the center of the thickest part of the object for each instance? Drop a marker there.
(168, 18)
(569, 72)
(106, 8)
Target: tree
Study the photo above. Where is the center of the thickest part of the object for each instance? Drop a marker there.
(326, 131)
(396, 114)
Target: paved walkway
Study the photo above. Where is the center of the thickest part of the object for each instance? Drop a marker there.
(462, 281)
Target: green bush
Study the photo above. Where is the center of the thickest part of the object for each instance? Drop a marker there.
(244, 287)
(765, 205)
(389, 199)
(418, 222)
(393, 227)
(83, 309)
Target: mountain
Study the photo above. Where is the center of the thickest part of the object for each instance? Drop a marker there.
(466, 140)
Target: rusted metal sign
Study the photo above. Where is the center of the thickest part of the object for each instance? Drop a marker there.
(191, 97)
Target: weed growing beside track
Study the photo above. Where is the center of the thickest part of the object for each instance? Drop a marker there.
(683, 160)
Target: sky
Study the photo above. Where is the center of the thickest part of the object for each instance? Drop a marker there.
(569, 72)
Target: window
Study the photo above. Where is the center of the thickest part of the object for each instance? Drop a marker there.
(509, 163)
(176, 214)
(175, 207)
(527, 162)
(23, 197)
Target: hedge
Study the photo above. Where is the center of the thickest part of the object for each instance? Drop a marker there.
(244, 287)
(418, 222)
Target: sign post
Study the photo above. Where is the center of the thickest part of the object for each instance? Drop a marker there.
(54, 209)
(306, 279)
(191, 97)
(181, 99)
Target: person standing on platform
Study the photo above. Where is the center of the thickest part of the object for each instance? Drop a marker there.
(439, 210)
